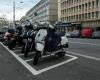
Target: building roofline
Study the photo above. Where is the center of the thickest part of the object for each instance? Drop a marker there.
(34, 6)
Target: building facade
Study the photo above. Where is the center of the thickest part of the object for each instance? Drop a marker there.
(44, 11)
(85, 12)
(59, 10)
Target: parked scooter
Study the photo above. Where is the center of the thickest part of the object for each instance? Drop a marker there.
(19, 37)
(10, 38)
(47, 42)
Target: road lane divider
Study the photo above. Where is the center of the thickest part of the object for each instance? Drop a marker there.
(86, 43)
(85, 56)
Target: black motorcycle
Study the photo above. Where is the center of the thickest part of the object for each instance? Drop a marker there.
(29, 43)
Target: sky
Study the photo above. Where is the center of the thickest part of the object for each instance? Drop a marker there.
(21, 7)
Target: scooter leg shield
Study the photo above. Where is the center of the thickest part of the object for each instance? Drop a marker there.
(39, 47)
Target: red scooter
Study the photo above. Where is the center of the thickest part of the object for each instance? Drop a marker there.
(10, 39)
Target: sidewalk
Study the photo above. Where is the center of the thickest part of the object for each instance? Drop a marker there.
(11, 69)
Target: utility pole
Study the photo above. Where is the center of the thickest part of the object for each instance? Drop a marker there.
(14, 14)
(45, 12)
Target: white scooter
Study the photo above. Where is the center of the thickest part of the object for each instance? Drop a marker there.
(48, 43)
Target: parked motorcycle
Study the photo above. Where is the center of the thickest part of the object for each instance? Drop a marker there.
(47, 42)
(29, 45)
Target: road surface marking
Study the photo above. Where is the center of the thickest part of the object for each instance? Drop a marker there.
(33, 70)
(16, 50)
(23, 53)
(20, 54)
(86, 43)
(42, 57)
(59, 64)
(29, 60)
(85, 56)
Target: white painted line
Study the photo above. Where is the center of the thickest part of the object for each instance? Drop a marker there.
(23, 53)
(33, 70)
(57, 65)
(25, 64)
(86, 43)
(85, 56)
(42, 57)
(20, 54)
(16, 50)
(29, 60)
(48, 56)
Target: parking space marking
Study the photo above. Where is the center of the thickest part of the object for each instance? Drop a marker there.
(29, 60)
(16, 50)
(57, 65)
(85, 56)
(20, 54)
(32, 69)
(42, 57)
(23, 53)
(86, 43)
(25, 64)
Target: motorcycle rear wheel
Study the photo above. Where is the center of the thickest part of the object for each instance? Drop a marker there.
(61, 54)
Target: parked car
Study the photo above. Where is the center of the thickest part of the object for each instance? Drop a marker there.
(67, 34)
(96, 34)
(86, 32)
(75, 34)
(60, 33)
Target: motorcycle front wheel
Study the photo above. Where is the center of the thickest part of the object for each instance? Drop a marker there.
(36, 58)
(11, 44)
(27, 49)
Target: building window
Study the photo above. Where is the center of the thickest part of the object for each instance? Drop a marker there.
(97, 14)
(97, 1)
(89, 5)
(85, 16)
(89, 15)
(86, 6)
(79, 7)
(93, 4)
(93, 15)
(76, 17)
(82, 7)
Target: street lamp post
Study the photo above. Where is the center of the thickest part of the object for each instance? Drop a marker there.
(14, 7)
(14, 14)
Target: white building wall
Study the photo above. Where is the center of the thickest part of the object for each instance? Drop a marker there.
(46, 11)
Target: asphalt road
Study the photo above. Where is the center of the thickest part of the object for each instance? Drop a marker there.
(81, 63)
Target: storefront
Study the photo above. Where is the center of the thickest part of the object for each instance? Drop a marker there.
(68, 26)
